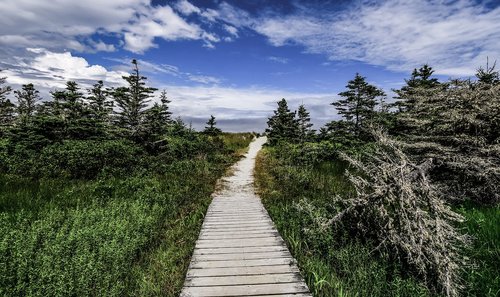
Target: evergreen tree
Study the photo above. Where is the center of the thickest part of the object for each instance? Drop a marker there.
(27, 98)
(7, 108)
(132, 101)
(304, 124)
(420, 78)
(282, 125)
(359, 104)
(69, 106)
(211, 129)
(488, 75)
(99, 106)
(69, 102)
(157, 118)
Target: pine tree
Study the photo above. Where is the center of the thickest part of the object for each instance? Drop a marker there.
(420, 78)
(359, 104)
(27, 98)
(7, 108)
(69, 102)
(68, 105)
(211, 129)
(99, 106)
(282, 125)
(158, 117)
(132, 101)
(488, 75)
(304, 124)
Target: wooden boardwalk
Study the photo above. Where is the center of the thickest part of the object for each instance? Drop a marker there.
(239, 252)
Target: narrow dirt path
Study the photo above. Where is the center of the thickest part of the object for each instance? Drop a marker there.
(239, 251)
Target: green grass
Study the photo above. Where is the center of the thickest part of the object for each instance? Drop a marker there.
(483, 223)
(333, 264)
(107, 237)
(336, 263)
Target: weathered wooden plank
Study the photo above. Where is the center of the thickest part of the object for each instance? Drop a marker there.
(243, 250)
(230, 232)
(239, 243)
(253, 270)
(245, 290)
(243, 280)
(242, 256)
(242, 263)
(239, 236)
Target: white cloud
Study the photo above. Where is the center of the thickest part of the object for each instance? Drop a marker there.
(237, 109)
(454, 37)
(68, 24)
(185, 7)
(48, 69)
(231, 30)
(280, 60)
(204, 79)
(243, 108)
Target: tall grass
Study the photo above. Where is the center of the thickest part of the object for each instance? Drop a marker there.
(337, 263)
(106, 237)
(332, 262)
(483, 223)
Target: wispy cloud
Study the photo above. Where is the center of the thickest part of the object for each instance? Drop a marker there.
(74, 25)
(281, 60)
(453, 36)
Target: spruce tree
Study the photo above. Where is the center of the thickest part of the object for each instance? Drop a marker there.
(158, 117)
(99, 106)
(211, 129)
(7, 108)
(283, 125)
(358, 107)
(305, 132)
(488, 75)
(68, 105)
(132, 101)
(27, 98)
(420, 78)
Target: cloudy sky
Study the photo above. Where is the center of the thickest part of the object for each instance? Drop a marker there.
(235, 59)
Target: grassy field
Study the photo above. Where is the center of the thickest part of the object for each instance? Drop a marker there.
(110, 236)
(334, 262)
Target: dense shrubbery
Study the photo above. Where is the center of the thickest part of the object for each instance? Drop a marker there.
(92, 200)
(447, 151)
(458, 126)
(75, 159)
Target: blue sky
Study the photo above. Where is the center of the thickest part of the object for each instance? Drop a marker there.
(235, 59)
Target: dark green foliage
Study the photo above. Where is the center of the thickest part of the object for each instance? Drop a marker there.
(100, 107)
(7, 109)
(283, 125)
(420, 79)
(305, 131)
(488, 75)
(210, 129)
(27, 98)
(129, 233)
(340, 132)
(458, 125)
(132, 101)
(157, 118)
(359, 104)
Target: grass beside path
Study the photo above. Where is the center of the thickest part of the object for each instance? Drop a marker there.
(335, 263)
(110, 236)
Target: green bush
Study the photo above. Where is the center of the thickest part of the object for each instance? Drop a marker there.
(75, 159)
